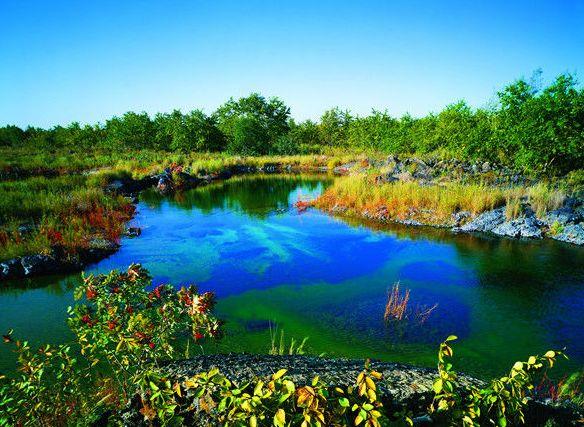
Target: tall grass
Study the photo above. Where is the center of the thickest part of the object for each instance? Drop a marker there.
(39, 213)
(278, 344)
(409, 200)
(397, 304)
(435, 204)
(542, 198)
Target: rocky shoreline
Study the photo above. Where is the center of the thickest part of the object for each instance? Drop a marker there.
(565, 224)
(403, 387)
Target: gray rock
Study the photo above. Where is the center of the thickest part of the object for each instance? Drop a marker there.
(571, 233)
(11, 269)
(132, 232)
(460, 217)
(410, 222)
(486, 221)
(403, 387)
(345, 168)
(486, 167)
(165, 185)
(33, 265)
(385, 178)
(526, 226)
(562, 216)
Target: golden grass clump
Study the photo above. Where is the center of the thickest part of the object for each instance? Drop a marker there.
(433, 204)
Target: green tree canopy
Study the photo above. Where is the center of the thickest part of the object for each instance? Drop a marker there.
(266, 120)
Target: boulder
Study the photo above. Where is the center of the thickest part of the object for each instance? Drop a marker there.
(571, 233)
(526, 226)
(165, 184)
(344, 168)
(564, 215)
(33, 265)
(459, 218)
(11, 269)
(402, 387)
(385, 178)
(97, 250)
(132, 232)
(486, 221)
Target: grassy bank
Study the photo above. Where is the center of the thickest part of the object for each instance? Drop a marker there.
(39, 214)
(57, 199)
(359, 195)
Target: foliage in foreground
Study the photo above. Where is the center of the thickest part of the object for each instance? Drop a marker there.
(123, 332)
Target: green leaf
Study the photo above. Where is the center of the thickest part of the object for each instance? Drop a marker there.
(344, 402)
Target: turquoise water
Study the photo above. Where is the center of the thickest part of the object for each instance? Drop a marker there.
(327, 278)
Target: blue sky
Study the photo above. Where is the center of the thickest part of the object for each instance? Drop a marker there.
(86, 61)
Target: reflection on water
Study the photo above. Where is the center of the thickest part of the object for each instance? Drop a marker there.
(327, 278)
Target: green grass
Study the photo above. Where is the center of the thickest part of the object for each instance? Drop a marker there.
(39, 213)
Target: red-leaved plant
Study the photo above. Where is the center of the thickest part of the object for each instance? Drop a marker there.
(123, 331)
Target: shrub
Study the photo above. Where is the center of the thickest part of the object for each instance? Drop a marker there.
(122, 333)
(500, 403)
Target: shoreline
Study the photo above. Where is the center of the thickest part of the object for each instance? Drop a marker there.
(567, 221)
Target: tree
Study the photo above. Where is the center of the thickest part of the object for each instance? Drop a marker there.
(265, 120)
(543, 130)
(194, 131)
(249, 137)
(12, 135)
(334, 126)
(132, 130)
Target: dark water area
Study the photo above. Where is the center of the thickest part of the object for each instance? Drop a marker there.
(327, 278)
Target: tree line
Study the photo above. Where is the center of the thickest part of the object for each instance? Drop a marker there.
(529, 127)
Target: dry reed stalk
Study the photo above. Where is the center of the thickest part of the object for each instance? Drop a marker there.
(396, 304)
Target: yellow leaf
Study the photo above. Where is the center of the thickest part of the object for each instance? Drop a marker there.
(253, 421)
(279, 374)
(376, 375)
(280, 418)
(358, 420)
(177, 389)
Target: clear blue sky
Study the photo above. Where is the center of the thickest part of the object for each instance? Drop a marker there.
(88, 60)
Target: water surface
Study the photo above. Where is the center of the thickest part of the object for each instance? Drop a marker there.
(319, 276)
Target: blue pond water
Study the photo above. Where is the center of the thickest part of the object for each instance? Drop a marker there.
(327, 278)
